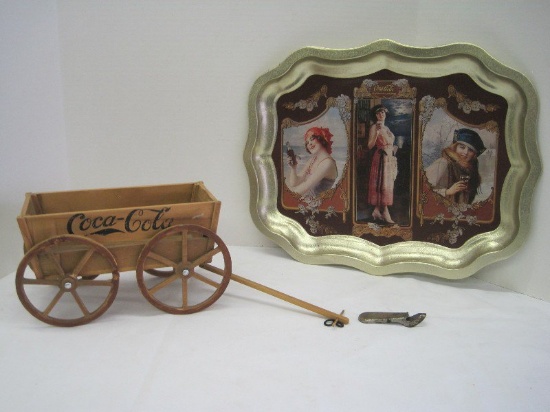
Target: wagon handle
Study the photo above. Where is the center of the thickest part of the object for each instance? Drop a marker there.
(280, 295)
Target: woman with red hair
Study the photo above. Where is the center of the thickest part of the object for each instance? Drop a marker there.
(320, 171)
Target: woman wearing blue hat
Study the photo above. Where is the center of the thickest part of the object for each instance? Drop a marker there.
(455, 175)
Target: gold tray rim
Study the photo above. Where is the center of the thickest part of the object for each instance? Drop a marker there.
(408, 256)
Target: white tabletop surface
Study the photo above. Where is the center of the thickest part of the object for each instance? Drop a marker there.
(481, 348)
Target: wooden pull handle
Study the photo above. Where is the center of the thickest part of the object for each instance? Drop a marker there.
(280, 295)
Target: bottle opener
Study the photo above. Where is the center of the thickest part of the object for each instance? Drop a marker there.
(401, 318)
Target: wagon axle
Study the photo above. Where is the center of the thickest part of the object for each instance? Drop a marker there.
(68, 284)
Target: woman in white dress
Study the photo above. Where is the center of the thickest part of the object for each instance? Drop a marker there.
(383, 168)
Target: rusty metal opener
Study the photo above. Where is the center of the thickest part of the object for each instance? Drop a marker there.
(401, 318)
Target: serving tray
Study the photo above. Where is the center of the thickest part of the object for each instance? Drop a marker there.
(440, 183)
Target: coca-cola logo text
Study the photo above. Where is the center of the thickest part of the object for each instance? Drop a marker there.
(137, 220)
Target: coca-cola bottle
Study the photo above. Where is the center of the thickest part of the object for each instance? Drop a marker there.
(291, 155)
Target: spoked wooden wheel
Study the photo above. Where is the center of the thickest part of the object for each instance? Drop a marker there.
(67, 280)
(182, 250)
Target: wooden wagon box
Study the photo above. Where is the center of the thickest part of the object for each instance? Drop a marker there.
(122, 219)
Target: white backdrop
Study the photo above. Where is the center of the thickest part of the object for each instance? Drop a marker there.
(115, 93)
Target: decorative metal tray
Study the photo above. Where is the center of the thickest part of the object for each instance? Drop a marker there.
(394, 159)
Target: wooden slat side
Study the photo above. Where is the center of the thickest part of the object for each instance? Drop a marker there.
(36, 204)
(215, 216)
(202, 194)
(122, 224)
(28, 209)
(101, 199)
(28, 241)
(209, 194)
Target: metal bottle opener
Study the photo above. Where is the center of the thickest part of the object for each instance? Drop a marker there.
(401, 318)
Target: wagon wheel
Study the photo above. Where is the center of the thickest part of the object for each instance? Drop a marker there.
(69, 295)
(189, 288)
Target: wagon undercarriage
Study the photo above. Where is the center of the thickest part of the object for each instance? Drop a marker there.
(168, 271)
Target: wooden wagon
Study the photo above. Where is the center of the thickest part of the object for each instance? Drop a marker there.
(78, 242)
